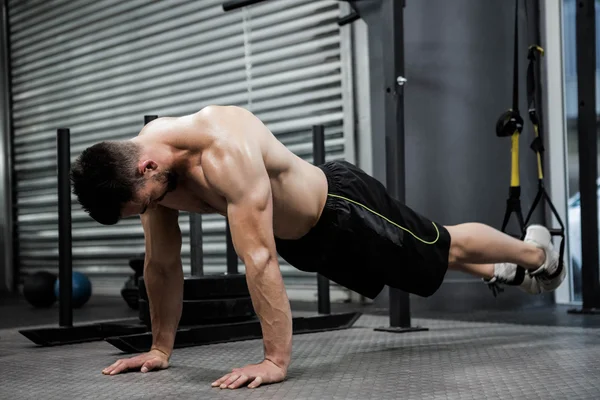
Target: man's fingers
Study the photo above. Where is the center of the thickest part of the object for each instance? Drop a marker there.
(120, 367)
(221, 380)
(108, 369)
(256, 382)
(232, 378)
(238, 382)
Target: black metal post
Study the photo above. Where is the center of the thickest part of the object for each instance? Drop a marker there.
(395, 168)
(148, 118)
(196, 253)
(392, 28)
(588, 152)
(65, 262)
(235, 4)
(232, 257)
(323, 299)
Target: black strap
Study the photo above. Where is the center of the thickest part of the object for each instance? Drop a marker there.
(534, 54)
(515, 105)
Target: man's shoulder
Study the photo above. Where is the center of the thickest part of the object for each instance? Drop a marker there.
(213, 110)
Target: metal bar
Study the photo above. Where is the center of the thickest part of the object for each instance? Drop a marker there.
(232, 257)
(323, 299)
(65, 262)
(392, 28)
(83, 333)
(348, 19)
(588, 150)
(237, 331)
(196, 252)
(235, 4)
(148, 118)
(8, 268)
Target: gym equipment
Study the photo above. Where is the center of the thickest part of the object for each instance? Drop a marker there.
(130, 291)
(207, 311)
(219, 286)
(222, 333)
(81, 286)
(66, 333)
(235, 4)
(65, 255)
(38, 289)
(511, 124)
(588, 153)
(384, 19)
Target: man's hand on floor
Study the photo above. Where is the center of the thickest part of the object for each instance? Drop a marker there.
(152, 360)
(252, 375)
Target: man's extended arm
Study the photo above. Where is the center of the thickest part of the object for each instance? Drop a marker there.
(163, 277)
(239, 174)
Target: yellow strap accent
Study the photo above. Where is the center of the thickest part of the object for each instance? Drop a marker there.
(514, 175)
(539, 157)
(388, 220)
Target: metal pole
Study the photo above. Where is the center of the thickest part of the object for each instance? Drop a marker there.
(148, 118)
(588, 150)
(392, 27)
(232, 257)
(235, 4)
(324, 303)
(196, 253)
(395, 168)
(65, 262)
(8, 262)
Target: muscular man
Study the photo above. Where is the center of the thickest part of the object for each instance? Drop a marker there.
(333, 219)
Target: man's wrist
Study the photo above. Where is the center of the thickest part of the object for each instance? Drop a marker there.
(160, 350)
(282, 361)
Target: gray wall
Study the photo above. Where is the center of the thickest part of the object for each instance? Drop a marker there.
(6, 270)
(459, 68)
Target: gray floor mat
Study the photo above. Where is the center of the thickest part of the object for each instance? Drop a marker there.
(453, 360)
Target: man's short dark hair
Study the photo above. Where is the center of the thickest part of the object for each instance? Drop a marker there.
(105, 178)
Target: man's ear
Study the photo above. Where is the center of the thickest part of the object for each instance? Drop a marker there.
(147, 166)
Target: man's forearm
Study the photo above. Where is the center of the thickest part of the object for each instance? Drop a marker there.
(164, 286)
(273, 309)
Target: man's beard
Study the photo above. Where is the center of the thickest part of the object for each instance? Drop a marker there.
(170, 178)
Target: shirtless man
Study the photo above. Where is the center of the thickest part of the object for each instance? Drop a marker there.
(333, 219)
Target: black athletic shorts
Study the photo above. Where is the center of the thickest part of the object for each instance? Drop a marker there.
(366, 239)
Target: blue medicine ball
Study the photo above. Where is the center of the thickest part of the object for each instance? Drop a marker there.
(82, 289)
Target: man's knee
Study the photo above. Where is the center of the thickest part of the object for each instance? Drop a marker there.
(459, 245)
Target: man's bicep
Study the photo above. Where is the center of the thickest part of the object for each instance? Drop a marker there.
(162, 236)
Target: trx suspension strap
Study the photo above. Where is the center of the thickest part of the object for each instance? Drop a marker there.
(510, 124)
(533, 83)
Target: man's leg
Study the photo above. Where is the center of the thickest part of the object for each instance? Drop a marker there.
(484, 271)
(475, 243)
(485, 252)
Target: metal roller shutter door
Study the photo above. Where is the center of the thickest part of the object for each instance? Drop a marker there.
(97, 67)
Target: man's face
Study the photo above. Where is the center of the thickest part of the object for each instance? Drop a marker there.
(154, 189)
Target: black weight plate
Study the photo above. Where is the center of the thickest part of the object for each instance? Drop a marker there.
(130, 295)
(209, 287)
(198, 312)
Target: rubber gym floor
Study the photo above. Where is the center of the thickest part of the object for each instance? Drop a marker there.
(535, 353)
